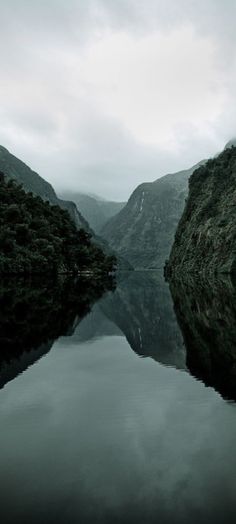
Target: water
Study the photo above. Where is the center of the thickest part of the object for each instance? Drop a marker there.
(101, 416)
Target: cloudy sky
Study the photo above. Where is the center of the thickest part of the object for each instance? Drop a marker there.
(101, 95)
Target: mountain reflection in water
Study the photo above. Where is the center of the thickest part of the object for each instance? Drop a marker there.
(93, 433)
(206, 312)
(192, 328)
(35, 312)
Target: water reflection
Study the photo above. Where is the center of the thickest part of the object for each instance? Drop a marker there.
(190, 326)
(34, 313)
(141, 308)
(206, 312)
(94, 434)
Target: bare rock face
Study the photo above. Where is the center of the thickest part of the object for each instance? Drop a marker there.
(205, 241)
(143, 231)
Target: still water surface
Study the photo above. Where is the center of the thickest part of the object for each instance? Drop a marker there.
(95, 432)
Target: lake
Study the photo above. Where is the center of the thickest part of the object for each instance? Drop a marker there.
(118, 405)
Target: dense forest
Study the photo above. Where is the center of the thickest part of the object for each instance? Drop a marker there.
(37, 237)
(205, 240)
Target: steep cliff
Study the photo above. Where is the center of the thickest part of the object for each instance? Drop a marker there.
(205, 239)
(143, 231)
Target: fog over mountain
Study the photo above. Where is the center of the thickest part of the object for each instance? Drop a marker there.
(100, 96)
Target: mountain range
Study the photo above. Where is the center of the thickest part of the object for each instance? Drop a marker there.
(94, 209)
(143, 231)
(32, 182)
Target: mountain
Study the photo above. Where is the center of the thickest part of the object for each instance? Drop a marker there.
(205, 240)
(14, 168)
(96, 211)
(37, 237)
(143, 231)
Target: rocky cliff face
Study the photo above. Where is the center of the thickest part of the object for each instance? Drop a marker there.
(14, 168)
(143, 231)
(205, 240)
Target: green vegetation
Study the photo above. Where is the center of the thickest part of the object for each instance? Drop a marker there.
(36, 237)
(15, 169)
(205, 240)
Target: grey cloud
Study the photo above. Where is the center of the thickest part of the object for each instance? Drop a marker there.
(63, 134)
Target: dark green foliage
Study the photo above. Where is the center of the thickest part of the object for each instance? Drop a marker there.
(38, 237)
(205, 240)
(15, 169)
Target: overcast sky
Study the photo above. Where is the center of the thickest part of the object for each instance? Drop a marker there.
(101, 95)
